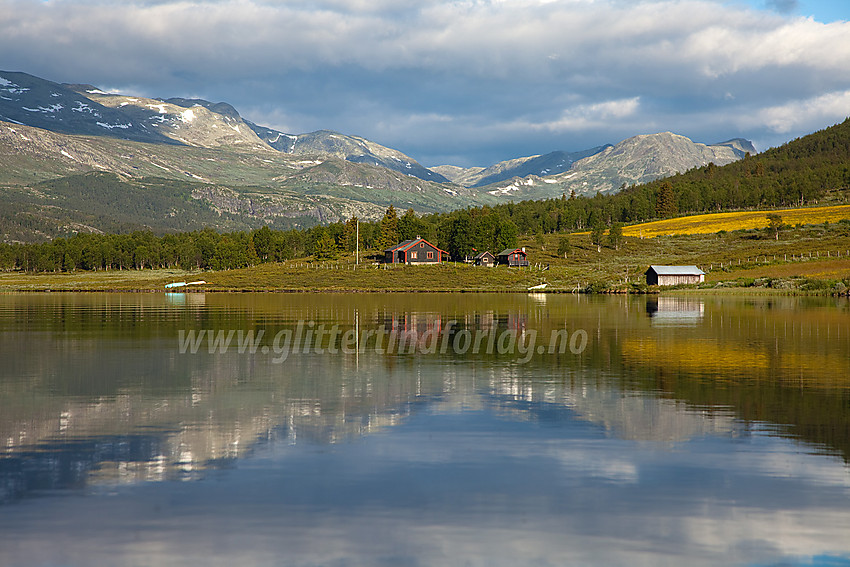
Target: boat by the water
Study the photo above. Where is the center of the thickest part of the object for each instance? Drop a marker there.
(183, 284)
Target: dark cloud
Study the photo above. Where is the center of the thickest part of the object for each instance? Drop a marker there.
(474, 81)
(783, 6)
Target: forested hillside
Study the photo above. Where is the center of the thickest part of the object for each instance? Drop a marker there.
(802, 172)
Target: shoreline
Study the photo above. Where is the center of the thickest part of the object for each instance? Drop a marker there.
(706, 291)
(766, 279)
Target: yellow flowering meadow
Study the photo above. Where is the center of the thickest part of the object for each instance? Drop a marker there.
(711, 223)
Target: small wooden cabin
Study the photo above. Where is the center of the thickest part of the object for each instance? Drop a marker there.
(513, 257)
(673, 275)
(485, 259)
(416, 251)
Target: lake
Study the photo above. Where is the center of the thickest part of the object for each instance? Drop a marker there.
(423, 429)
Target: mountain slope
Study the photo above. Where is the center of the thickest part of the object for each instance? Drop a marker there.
(741, 146)
(461, 175)
(207, 152)
(638, 159)
(552, 163)
(29, 100)
(105, 202)
(28, 154)
(350, 148)
(644, 158)
(86, 110)
(50, 186)
(195, 125)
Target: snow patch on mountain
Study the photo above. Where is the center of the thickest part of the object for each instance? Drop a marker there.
(513, 187)
(10, 87)
(52, 109)
(111, 126)
(83, 107)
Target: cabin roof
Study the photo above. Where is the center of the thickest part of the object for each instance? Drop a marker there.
(402, 246)
(676, 270)
(508, 251)
(482, 254)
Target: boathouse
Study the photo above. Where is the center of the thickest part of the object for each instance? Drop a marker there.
(674, 275)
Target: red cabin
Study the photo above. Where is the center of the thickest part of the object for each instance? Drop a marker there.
(416, 251)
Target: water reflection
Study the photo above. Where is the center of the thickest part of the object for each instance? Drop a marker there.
(675, 311)
(183, 298)
(717, 441)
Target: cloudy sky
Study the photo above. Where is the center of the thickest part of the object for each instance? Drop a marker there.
(466, 82)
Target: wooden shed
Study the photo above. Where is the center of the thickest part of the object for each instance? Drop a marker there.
(673, 275)
(416, 251)
(485, 259)
(513, 257)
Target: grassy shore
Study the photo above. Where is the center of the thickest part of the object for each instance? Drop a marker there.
(809, 259)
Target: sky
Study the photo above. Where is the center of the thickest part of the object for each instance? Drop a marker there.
(461, 82)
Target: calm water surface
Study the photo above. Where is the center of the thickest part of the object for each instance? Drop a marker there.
(587, 431)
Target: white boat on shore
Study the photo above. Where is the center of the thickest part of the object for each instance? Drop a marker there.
(183, 284)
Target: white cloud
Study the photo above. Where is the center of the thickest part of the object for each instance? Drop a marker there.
(554, 66)
(490, 38)
(807, 114)
(773, 43)
(585, 116)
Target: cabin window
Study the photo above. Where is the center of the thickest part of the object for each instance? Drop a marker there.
(430, 255)
(421, 245)
(413, 255)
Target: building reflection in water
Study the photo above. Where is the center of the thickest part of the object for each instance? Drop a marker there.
(666, 311)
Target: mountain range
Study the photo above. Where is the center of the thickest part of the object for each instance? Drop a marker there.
(234, 173)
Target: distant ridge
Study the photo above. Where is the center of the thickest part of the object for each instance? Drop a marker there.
(540, 166)
(638, 159)
(350, 148)
(242, 174)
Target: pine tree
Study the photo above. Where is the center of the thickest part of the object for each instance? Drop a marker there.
(262, 240)
(615, 235)
(596, 234)
(389, 229)
(564, 246)
(349, 235)
(665, 201)
(325, 246)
